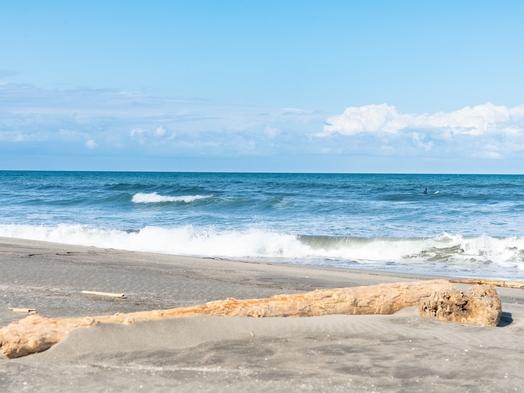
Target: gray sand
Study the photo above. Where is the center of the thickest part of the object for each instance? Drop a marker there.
(401, 352)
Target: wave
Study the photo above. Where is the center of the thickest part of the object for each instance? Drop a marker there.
(480, 256)
(445, 248)
(156, 198)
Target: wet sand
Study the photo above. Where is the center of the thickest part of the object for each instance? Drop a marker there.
(383, 353)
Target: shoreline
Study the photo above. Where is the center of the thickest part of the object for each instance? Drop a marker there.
(266, 261)
(334, 353)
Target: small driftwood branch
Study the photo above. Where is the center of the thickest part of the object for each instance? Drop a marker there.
(35, 333)
(23, 310)
(108, 294)
(497, 283)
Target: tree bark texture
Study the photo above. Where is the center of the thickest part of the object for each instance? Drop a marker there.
(479, 305)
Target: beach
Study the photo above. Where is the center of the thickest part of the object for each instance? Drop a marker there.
(261, 197)
(400, 352)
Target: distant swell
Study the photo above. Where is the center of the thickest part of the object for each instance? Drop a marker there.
(476, 256)
(155, 198)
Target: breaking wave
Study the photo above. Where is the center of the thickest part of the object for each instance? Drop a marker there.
(483, 255)
(156, 198)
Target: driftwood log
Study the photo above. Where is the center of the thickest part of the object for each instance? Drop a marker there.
(479, 305)
(35, 333)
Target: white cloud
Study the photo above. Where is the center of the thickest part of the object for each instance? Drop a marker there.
(272, 132)
(484, 131)
(419, 140)
(517, 113)
(65, 134)
(369, 118)
(135, 123)
(160, 131)
(136, 131)
(490, 154)
(143, 125)
(478, 120)
(17, 136)
(142, 134)
(91, 144)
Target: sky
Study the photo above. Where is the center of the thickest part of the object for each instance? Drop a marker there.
(262, 86)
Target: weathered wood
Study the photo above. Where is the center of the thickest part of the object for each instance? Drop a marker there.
(479, 305)
(35, 333)
(497, 283)
(22, 310)
(108, 294)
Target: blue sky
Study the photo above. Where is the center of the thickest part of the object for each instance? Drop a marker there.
(302, 86)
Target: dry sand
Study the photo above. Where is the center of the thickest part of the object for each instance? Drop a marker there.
(381, 353)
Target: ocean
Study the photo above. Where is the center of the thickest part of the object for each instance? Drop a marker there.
(465, 226)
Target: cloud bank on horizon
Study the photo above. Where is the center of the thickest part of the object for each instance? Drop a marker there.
(88, 121)
(119, 122)
(483, 131)
(475, 121)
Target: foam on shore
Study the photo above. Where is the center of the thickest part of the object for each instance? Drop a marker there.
(486, 256)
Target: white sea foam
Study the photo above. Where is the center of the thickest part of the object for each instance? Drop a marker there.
(185, 240)
(483, 255)
(156, 198)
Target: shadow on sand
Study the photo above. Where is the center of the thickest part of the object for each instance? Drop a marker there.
(505, 319)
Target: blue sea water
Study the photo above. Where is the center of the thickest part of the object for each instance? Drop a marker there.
(467, 225)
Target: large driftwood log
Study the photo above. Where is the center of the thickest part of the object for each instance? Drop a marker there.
(479, 305)
(35, 333)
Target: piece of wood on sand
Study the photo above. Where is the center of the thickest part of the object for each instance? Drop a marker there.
(23, 310)
(35, 333)
(106, 294)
